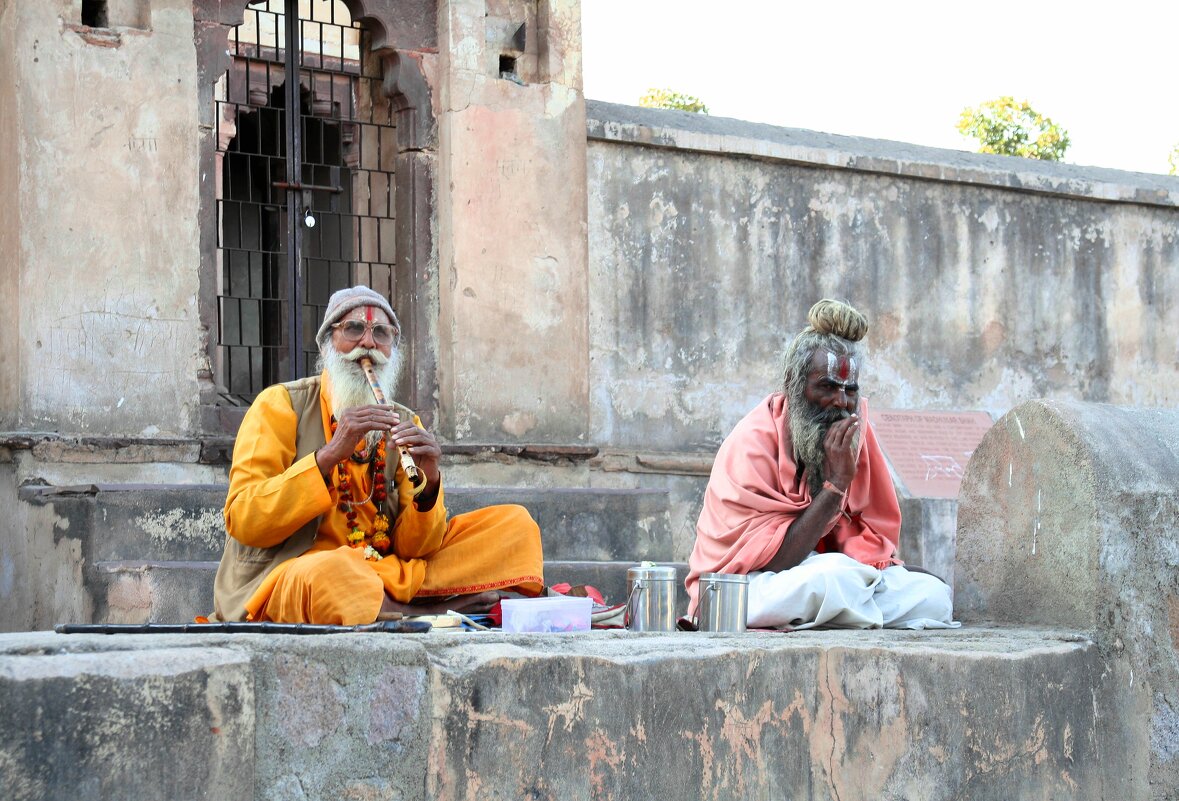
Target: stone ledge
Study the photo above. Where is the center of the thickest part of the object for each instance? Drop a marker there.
(681, 130)
(980, 713)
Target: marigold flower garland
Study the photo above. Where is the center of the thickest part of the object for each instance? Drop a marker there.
(376, 543)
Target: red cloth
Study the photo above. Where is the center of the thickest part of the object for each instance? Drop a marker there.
(755, 493)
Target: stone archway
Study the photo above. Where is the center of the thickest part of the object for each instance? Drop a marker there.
(403, 35)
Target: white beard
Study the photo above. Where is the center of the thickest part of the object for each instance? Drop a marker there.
(350, 385)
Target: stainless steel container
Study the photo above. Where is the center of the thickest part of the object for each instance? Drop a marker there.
(650, 600)
(724, 602)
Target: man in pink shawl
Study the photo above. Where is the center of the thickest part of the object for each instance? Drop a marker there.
(800, 499)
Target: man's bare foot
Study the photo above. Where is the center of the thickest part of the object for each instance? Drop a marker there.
(471, 604)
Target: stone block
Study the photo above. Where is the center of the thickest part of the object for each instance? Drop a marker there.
(342, 716)
(1069, 515)
(982, 714)
(175, 723)
(121, 522)
(927, 534)
(153, 592)
(832, 715)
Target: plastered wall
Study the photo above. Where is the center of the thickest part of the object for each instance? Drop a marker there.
(106, 265)
(710, 239)
(512, 342)
(10, 254)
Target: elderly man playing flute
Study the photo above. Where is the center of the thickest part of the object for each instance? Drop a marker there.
(324, 524)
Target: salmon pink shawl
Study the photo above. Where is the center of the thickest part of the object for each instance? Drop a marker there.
(755, 493)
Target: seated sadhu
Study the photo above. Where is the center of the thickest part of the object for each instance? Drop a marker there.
(324, 525)
(800, 500)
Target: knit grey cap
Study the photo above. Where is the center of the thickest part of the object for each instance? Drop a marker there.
(344, 301)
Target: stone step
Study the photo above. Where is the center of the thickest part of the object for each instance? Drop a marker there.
(152, 592)
(139, 591)
(978, 713)
(585, 523)
(130, 522)
(149, 551)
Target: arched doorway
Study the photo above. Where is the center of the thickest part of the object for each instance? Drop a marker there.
(305, 163)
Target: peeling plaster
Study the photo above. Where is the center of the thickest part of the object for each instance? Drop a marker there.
(173, 525)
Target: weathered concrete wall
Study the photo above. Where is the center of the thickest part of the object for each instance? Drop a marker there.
(10, 219)
(1069, 515)
(982, 714)
(512, 349)
(108, 249)
(986, 280)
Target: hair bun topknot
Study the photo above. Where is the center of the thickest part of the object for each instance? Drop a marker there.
(836, 317)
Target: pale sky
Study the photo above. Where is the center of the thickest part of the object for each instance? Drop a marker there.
(1107, 72)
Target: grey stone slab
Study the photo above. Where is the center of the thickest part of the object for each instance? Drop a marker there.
(978, 713)
(153, 592)
(928, 528)
(130, 522)
(171, 723)
(585, 524)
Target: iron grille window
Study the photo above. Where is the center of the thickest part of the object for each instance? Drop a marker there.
(305, 186)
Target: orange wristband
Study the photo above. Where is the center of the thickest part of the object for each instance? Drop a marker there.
(827, 485)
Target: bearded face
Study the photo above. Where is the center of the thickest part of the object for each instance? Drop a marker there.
(349, 384)
(817, 398)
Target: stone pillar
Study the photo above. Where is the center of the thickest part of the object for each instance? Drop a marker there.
(1069, 516)
(511, 205)
(410, 77)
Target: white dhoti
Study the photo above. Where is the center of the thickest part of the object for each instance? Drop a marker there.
(831, 589)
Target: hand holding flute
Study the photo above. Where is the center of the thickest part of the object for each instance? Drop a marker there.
(407, 462)
(355, 423)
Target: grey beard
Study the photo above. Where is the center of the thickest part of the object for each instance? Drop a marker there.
(808, 428)
(350, 385)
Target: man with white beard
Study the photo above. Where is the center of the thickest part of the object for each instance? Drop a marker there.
(325, 527)
(800, 499)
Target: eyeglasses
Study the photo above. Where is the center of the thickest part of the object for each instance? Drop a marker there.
(353, 331)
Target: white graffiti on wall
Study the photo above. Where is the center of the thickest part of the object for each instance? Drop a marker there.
(938, 466)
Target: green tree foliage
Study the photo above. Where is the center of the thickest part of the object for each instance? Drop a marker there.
(1010, 128)
(1173, 160)
(666, 98)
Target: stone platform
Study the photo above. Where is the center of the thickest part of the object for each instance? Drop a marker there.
(1068, 535)
(978, 713)
(149, 552)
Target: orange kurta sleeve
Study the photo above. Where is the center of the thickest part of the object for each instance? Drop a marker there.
(270, 494)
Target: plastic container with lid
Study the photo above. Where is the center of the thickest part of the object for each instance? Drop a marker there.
(550, 614)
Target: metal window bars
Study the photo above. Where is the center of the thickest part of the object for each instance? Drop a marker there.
(276, 271)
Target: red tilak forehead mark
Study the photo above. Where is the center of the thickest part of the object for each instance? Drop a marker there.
(368, 313)
(841, 369)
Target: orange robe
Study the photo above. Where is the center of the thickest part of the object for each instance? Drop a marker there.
(271, 495)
